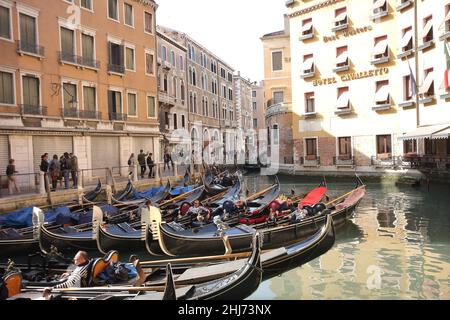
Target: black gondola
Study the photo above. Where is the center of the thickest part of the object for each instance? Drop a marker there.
(175, 240)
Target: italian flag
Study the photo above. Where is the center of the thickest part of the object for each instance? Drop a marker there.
(447, 69)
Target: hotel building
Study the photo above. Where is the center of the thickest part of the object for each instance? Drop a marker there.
(77, 76)
(356, 69)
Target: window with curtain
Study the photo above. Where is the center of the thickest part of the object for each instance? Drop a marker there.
(129, 18)
(6, 88)
(114, 101)
(311, 147)
(87, 4)
(5, 23)
(67, 41)
(132, 104)
(151, 108)
(70, 96)
(113, 13)
(130, 58)
(345, 151)
(149, 60)
(89, 99)
(27, 32)
(384, 144)
(87, 43)
(278, 97)
(277, 62)
(30, 91)
(148, 23)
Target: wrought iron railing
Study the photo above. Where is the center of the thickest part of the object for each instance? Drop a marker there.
(116, 68)
(30, 48)
(27, 109)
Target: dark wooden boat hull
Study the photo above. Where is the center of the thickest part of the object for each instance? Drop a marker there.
(66, 243)
(108, 241)
(15, 247)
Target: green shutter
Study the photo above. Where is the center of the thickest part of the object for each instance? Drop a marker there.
(128, 14)
(6, 88)
(5, 31)
(130, 58)
(89, 98)
(88, 47)
(131, 104)
(27, 29)
(67, 43)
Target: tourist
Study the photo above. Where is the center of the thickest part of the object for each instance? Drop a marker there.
(44, 168)
(150, 164)
(167, 159)
(141, 161)
(202, 214)
(66, 169)
(287, 206)
(74, 169)
(11, 176)
(55, 171)
(131, 164)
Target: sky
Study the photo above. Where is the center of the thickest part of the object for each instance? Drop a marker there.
(230, 29)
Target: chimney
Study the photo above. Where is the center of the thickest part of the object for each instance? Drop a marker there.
(287, 26)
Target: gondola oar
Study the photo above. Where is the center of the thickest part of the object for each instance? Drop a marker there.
(345, 195)
(181, 196)
(256, 195)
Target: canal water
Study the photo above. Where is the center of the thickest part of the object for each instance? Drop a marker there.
(397, 246)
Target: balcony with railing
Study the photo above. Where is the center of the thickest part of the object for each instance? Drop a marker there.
(29, 48)
(80, 114)
(344, 161)
(115, 68)
(32, 110)
(113, 116)
(278, 108)
(65, 57)
(310, 161)
(166, 99)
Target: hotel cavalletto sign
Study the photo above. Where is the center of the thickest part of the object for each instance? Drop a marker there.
(352, 76)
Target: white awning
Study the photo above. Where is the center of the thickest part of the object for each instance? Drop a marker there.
(447, 17)
(341, 17)
(425, 132)
(407, 37)
(444, 134)
(343, 57)
(308, 64)
(307, 27)
(382, 94)
(427, 27)
(343, 101)
(380, 47)
(427, 83)
(378, 4)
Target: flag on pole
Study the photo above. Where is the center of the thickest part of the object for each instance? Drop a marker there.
(447, 68)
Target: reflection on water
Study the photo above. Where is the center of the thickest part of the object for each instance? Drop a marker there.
(397, 246)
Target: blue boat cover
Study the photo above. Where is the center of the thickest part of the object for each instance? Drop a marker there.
(24, 217)
(180, 190)
(149, 193)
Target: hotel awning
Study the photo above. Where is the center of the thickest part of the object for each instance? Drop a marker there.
(342, 57)
(444, 134)
(428, 132)
(407, 37)
(308, 64)
(341, 17)
(379, 4)
(307, 27)
(343, 101)
(447, 17)
(380, 47)
(427, 83)
(382, 94)
(427, 28)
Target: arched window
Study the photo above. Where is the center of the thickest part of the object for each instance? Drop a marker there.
(194, 77)
(190, 75)
(165, 83)
(206, 112)
(175, 88)
(195, 102)
(182, 90)
(191, 102)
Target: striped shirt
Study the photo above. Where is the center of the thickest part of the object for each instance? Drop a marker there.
(74, 280)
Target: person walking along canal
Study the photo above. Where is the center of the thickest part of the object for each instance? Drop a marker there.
(66, 168)
(150, 164)
(44, 168)
(11, 175)
(55, 171)
(141, 161)
(74, 169)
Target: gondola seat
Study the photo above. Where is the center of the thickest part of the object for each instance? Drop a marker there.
(13, 282)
